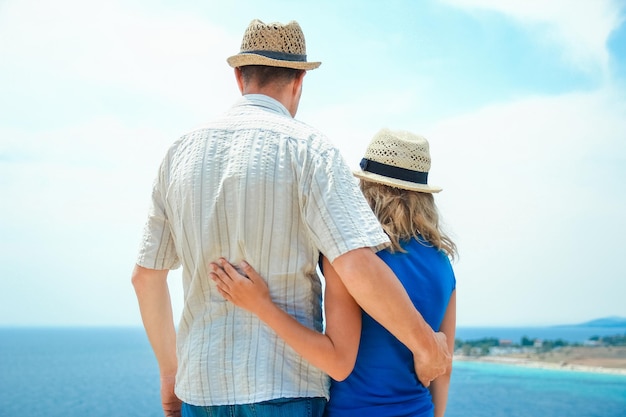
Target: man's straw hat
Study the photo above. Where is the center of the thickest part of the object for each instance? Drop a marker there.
(399, 159)
(273, 45)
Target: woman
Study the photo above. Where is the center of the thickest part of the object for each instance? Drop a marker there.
(372, 371)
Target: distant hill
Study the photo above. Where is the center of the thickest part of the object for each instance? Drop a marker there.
(607, 322)
(613, 321)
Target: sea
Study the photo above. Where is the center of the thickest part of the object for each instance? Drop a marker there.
(98, 372)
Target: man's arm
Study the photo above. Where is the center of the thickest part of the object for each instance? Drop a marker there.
(156, 312)
(378, 291)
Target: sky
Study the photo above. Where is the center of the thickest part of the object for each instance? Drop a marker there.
(523, 103)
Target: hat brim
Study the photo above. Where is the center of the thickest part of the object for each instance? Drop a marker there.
(244, 59)
(392, 182)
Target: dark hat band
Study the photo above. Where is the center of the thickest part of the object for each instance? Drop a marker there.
(394, 172)
(281, 56)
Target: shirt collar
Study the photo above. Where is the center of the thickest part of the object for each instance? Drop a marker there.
(266, 102)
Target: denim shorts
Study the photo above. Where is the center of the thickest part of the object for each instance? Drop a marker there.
(281, 407)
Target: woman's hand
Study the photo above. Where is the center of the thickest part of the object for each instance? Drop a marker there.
(248, 291)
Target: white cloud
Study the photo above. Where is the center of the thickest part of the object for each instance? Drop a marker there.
(532, 188)
(79, 190)
(351, 124)
(533, 191)
(580, 27)
(75, 204)
(82, 44)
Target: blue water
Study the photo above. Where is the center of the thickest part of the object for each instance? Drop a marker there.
(110, 372)
(77, 372)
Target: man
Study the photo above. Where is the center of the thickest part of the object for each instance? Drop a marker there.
(258, 185)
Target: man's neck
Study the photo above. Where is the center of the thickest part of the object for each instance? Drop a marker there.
(281, 95)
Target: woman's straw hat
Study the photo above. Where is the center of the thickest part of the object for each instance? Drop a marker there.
(273, 45)
(399, 159)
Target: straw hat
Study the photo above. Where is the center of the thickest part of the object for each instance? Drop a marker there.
(399, 159)
(274, 45)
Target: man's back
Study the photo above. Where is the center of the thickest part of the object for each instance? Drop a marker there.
(260, 186)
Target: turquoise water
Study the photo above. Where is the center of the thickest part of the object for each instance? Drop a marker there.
(481, 389)
(111, 372)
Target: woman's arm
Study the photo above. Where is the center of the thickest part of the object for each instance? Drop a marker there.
(440, 386)
(334, 352)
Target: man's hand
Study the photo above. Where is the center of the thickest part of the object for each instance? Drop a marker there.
(430, 365)
(169, 401)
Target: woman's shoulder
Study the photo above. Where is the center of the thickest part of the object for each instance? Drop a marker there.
(417, 248)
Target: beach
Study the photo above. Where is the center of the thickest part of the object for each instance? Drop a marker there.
(597, 359)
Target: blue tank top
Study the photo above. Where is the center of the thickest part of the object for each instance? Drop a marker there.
(383, 382)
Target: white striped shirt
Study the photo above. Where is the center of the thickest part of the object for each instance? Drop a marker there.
(258, 185)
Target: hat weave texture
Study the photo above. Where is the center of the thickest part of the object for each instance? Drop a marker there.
(401, 150)
(273, 44)
(273, 37)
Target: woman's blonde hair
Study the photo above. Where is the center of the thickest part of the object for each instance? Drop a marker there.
(404, 214)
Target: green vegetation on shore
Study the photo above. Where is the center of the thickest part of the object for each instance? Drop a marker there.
(491, 345)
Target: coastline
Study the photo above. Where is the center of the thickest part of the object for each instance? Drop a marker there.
(592, 360)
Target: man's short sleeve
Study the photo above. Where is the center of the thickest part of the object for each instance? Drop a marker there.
(334, 209)
(157, 250)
